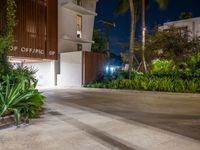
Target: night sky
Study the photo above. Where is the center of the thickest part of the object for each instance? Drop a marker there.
(154, 16)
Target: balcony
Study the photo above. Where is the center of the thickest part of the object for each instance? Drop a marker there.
(76, 8)
(78, 40)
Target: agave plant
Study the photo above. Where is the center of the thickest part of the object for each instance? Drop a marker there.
(19, 99)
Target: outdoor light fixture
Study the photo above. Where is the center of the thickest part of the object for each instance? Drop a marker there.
(111, 69)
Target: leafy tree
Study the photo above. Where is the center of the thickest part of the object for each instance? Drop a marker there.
(122, 7)
(175, 44)
(99, 45)
(162, 4)
(185, 15)
(135, 7)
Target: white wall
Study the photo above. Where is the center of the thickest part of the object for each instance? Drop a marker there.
(70, 69)
(67, 26)
(193, 25)
(45, 74)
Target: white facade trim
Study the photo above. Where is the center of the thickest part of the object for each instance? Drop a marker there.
(79, 9)
(79, 40)
(182, 21)
(192, 24)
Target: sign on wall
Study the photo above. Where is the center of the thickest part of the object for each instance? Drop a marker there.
(36, 30)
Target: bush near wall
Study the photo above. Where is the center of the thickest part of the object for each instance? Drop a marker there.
(152, 84)
(163, 76)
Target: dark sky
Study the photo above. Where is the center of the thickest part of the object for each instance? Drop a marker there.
(154, 15)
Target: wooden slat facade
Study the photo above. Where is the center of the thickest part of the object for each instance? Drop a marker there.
(52, 29)
(93, 66)
(35, 34)
(2, 15)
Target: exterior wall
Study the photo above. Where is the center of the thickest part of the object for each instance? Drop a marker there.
(36, 30)
(67, 26)
(79, 68)
(70, 69)
(45, 73)
(42, 26)
(94, 65)
(192, 24)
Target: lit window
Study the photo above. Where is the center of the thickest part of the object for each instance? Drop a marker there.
(79, 26)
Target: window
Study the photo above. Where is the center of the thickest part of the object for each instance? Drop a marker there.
(79, 47)
(79, 2)
(79, 26)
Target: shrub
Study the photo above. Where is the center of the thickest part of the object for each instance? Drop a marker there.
(18, 94)
(164, 76)
(19, 99)
(162, 66)
(153, 84)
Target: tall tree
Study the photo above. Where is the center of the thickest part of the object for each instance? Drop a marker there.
(122, 7)
(162, 4)
(135, 7)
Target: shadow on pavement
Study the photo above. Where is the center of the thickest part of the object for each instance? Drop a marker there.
(183, 124)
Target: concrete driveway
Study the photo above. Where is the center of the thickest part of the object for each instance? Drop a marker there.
(86, 119)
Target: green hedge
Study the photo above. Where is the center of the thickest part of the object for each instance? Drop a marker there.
(152, 84)
(164, 75)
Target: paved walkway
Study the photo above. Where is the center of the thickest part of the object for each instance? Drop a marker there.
(82, 119)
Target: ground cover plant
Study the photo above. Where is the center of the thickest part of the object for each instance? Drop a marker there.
(164, 75)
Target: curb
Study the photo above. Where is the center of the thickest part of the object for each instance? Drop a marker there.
(128, 91)
(7, 121)
(139, 91)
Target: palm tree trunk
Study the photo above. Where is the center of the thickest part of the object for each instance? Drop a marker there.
(143, 36)
(132, 37)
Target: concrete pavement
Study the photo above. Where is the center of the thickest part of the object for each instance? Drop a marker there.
(82, 119)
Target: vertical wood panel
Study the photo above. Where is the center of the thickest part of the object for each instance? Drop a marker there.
(2, 15)
(36, 30)
(52, 28)
(93, 66)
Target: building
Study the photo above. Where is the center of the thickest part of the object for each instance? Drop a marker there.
(192, 25)
(55, 37)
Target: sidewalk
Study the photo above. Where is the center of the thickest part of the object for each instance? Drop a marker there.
(85, 120)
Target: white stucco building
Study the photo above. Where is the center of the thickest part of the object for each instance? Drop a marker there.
(75, 31)
(192, 25)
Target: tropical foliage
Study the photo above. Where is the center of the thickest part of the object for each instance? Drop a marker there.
(164, 75)
(99, 42)
(19, 96)
(173, 43)
(152, 84)
(18, 93)
(185, 15)
(136, 7)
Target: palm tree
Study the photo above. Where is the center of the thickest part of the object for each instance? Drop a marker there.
(162, 4)
(135, 8)
(122, 7)
(143, 36)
